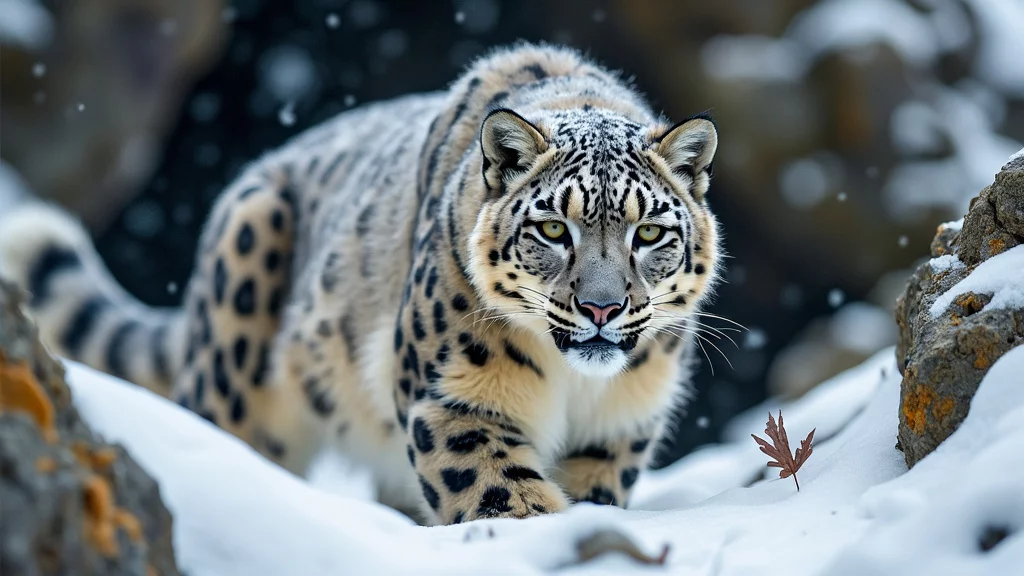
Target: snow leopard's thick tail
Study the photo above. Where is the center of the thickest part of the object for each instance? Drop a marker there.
(82, 313)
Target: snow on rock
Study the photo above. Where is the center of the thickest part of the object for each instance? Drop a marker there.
(752, 57)
(838, 24)
(945, 262)
(998, 59)
(1017, 154)
(955, 225)
(915, 185)
(859, 511)
(1002, 276)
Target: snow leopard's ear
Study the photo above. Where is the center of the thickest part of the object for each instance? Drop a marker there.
(688, 149)
(510, 145)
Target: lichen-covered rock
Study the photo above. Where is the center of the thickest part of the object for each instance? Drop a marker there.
(71, 504)
(943, 359)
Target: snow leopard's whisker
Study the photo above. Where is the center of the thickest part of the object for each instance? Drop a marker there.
(701, 327)
(702, 336)
(508, 316)
(543, 296)
(722, 318)
(517, 308)
(710, 343)
(662, 330)
(654, 299)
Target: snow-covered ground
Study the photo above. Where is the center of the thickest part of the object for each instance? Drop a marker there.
(859, 512)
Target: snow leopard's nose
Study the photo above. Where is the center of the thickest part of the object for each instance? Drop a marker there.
(600, 314)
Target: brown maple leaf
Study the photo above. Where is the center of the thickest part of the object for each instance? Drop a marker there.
(779, 452)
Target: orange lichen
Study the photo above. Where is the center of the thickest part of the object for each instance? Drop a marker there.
(996, 246)
(103, 457)
(981, 359)
(129, 523)
(94, 459)
(99, 515)
(21, 392)
(970, 302)
(103, 517)
(915, 407)
(45, 465)
(81, 452)
(943, 407)
(954, 319)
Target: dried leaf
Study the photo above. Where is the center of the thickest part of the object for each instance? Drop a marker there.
(779, 451)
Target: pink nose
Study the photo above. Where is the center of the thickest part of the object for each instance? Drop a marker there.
(599, 315)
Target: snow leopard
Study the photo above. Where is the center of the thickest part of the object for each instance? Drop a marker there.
(485, 295)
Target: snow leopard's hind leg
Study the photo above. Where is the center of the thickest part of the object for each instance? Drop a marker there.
(235, 302)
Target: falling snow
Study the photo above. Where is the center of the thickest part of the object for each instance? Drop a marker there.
(836, 297)
(286, 115)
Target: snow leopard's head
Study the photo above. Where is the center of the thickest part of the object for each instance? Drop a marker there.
(595, 230)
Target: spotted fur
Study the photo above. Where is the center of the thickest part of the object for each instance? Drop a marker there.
(384, 284)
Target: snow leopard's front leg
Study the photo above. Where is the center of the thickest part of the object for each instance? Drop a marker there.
(605, 472)
(475, 465)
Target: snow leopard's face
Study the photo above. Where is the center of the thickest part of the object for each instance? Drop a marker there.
(595, 233)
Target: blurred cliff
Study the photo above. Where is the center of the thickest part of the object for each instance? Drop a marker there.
(849, 128)
(92, 89)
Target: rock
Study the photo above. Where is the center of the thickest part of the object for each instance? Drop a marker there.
(87, 113)
(943, 359)
(72, 504)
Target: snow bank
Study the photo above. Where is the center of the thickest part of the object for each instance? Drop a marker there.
(941, 516)
(860, 511)
(1002, 276)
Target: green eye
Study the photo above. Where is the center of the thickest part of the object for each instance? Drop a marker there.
(554, 230)
(649, 233)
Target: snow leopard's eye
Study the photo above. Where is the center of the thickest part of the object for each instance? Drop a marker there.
(647, 234)
(553, 230)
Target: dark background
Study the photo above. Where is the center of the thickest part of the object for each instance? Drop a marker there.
(806, 184)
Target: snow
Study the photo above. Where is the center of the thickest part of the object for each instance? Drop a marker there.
(955, 225)
(750, 57)
(843, 24)
(1017, 154)
(945, 263)
(287, 72)
(998, 59)
(862, 327)
(12, 188)
(804, 183)
(836, 297)
(949, 183)
(859, 511)
(25, 23)
(964, 117)
(931, 519)
(1001, 276)
(913, 128)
